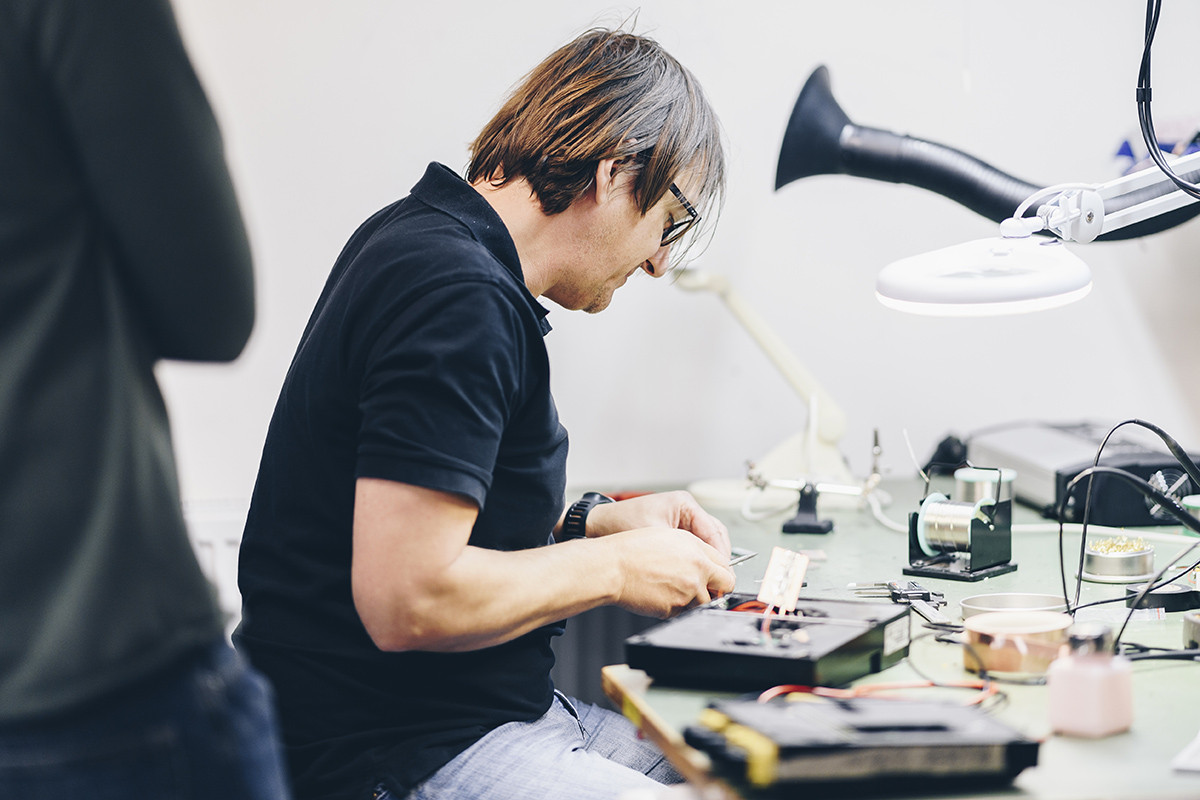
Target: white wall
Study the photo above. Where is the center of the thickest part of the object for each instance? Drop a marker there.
(331, 110)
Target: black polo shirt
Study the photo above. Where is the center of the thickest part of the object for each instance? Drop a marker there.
(423, 363)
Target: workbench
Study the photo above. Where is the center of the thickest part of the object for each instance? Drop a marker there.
(1135, 764)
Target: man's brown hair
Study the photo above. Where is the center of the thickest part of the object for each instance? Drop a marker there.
(606, 94)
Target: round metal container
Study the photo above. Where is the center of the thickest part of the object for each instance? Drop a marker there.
(1130, 567)
(1014, 642)
(1011, 601)
(972, 484)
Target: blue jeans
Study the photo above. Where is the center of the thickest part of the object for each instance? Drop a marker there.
(205, 730)
(576, 750)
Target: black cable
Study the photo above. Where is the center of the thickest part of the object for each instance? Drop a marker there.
(1146, 121)
(1152, 588)
(1169, 655)
(1164, 500)
(1151, 585)
(1087, 507)
(1097, 603)
(1062, 559)
(1169, 503)
(1173, 447)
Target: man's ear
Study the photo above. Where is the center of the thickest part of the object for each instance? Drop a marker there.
(611, 180)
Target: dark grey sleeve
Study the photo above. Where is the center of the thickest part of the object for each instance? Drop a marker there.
(154, 165)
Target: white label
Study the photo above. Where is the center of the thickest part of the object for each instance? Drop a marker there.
(895, 635)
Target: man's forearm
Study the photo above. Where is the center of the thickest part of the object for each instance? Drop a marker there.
(488, 597)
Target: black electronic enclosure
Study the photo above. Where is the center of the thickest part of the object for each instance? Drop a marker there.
(1048, 456)
(858, 746)
(828, 643)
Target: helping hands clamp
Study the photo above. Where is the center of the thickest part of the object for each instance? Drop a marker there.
(925, 602)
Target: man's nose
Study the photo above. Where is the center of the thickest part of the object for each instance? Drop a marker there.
(657, 265)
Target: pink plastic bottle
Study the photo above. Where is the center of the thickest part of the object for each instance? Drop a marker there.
(1091, 690)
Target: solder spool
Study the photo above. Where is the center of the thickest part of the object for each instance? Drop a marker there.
(962, 541)
(944, 526)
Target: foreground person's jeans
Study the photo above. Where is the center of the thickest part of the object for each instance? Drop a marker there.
(204, 731)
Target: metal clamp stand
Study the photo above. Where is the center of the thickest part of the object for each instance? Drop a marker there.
(806, 520)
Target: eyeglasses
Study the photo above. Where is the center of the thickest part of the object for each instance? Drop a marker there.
(675, 231)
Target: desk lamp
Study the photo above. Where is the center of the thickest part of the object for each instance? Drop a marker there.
(808, 462)
(1016, 271)
(813, 453)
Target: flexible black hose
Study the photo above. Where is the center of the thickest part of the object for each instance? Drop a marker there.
(821, 140)
(883, 155)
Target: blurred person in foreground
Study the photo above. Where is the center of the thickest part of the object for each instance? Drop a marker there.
(121, 243)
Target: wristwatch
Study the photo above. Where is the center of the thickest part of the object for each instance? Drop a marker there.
(575, 523)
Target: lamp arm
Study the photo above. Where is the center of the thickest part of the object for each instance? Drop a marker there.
(1083, 215)
(830, 419)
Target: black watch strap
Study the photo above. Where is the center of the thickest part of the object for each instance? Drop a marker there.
(575, 523)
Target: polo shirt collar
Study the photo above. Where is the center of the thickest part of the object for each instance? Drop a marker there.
(445, 190)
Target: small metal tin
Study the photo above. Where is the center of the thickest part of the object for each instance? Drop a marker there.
(1128, 567)
(1011, 601)
(972, 484)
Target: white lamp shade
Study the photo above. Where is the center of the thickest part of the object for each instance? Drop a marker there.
(986, 277)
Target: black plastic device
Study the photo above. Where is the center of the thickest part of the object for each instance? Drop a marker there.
(828, 643)
(855, 747)
(1048, 456)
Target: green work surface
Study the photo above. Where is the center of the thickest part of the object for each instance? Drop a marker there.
(1135, 764)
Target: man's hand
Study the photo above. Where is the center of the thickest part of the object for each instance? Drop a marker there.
(677, 510)
(665, 571)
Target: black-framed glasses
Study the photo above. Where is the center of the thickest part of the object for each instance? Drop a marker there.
(675, 231)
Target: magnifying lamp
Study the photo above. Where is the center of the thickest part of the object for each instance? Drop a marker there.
(1021, 271)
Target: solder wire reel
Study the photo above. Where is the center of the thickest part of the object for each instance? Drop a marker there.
(967, 538)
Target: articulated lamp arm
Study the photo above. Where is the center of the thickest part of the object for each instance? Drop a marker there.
(1083, 214)
(830, 419)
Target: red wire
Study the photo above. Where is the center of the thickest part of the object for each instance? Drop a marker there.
(986, 689)
(750, 605)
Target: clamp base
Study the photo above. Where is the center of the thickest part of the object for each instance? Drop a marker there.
(806, 520)
(956, 571)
